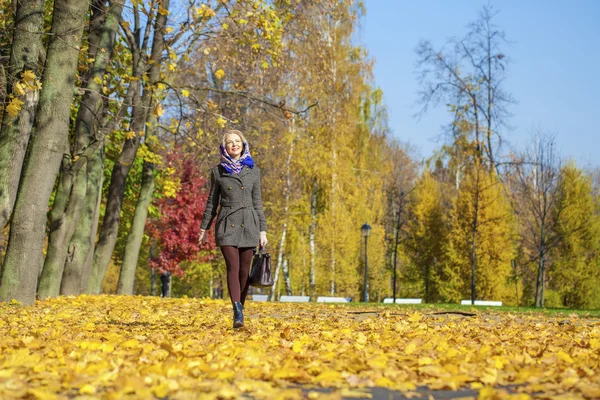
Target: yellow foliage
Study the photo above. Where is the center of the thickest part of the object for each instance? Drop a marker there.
(28, 83)
(159, 111)
(221, 122)
(14, 106)
(170, 186)
(494, 237)
(220, 74)
(143, 347)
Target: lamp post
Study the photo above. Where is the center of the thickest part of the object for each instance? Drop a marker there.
(365, 230)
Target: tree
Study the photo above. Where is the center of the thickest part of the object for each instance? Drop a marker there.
(23, 69)
(177, 229)
(538, 207)
(481, 268)
(426, 236)
(72, 193)
(23, 260)
(468, 75)
(575, 266)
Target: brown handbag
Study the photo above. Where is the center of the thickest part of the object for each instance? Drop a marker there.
(260, 274)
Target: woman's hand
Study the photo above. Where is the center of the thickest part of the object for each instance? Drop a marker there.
(263, 239)
(202, 237)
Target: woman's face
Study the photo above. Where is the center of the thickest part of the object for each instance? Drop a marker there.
(234, 145)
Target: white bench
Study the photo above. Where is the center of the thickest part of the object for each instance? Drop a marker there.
(294, 299)
(260, 297)
(481, 303)
(390, 300)
(325, 299)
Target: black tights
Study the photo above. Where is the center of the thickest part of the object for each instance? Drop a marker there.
(238, 261)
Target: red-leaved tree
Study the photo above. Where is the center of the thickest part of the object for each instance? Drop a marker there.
(177, 229)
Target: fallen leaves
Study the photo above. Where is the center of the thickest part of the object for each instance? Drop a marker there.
(140, 347)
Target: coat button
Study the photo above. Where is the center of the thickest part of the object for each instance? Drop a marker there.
(233, 225)
(243, 188)
(242, 225)
(229, 188)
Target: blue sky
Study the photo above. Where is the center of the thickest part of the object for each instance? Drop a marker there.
(554, 74)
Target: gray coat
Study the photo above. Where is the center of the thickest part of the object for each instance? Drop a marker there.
(240, 218)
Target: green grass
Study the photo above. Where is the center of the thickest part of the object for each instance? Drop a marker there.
(556, 312)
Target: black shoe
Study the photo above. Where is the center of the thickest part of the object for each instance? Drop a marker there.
(238, 315)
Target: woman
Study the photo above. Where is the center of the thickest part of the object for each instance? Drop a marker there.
(241, 223)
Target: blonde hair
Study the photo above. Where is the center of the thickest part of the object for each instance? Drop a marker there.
(234, 132)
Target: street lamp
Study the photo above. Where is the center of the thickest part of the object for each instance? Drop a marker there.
(365, 230)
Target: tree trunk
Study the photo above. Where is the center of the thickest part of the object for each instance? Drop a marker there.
(58, 245)
(311, 239)
(64, 220)
(24, 255)
(286, 277)
(539, 286)
(279, 262)
(136, 233)
(474, 234)
(288, 188)
(112, 215)
(76, 272)
(15, 132)
(141, 105)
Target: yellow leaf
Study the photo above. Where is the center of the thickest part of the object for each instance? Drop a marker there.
(379, 361)
(14, 106)
(131, 342)
(361, 338)
(410, 348)
(221, 122)
(327, 376)
(384, 382)
(42, 394)
(161, 390)
(220, 74)
(19, 89)
(159, 110)
(162, 11)
(355, 394)
(487, 393)
(87, 389)
(28, 76)
(287, 373)
(185, 93)
(415, 317)
(130, 135)
(564, 357)
(298, 345)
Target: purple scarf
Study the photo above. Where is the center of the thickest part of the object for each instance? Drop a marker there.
(235, 166)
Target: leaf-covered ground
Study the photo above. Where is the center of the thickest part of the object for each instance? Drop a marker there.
(146, 347)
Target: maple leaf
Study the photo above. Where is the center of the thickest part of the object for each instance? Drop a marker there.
(14, 106)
